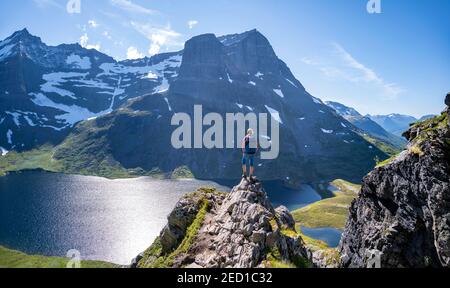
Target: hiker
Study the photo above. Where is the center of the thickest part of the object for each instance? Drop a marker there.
(250, 147)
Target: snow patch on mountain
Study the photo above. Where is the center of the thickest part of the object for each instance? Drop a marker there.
(3, 151)
(15, 116)
(279, 92)
(327, 131)
(77, 62)
(6, 51)
(71, 114)
(229, 78)
(317, 100)
(9, 135)
(275, 114)
(292, 83)
(168, 104)
(57, 79)
(259, 75)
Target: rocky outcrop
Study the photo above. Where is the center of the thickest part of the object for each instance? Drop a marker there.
(236, 230)
(403, 210)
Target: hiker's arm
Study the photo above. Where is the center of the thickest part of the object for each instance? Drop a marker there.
(243, 145)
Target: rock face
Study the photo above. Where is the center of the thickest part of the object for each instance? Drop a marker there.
(240, 229)
(447, 100)
(403, 210)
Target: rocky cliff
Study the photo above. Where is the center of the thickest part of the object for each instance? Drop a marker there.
(403, 210)
(241, 229)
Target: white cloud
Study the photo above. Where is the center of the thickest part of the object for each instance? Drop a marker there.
(84, 42)
(133, 53)
(346, 67)
(129, 6)
(93, 23)
(192, 23)
(158, 36)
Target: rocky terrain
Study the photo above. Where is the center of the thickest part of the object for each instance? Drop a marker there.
(403, 209)
(241, 229)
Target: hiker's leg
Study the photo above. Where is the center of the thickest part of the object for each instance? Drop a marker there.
(244, 165)
(252, 165)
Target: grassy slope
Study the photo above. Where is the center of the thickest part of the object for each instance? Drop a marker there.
(35, 159)
(43, 158)
(332, 212)
(15, 259)
(384, 146)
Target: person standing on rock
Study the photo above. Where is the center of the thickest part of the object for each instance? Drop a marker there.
(250, 147)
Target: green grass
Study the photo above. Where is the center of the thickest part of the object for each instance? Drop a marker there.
(15, 259)
(387, 148)
(41, 158)
(166, 261)
(331, 212)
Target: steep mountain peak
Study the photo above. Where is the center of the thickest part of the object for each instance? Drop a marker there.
(233, 39)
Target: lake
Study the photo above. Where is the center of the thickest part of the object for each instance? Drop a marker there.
(331, 236)
(111, 220)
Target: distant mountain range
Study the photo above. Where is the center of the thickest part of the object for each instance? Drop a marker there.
(368, 126)
(397, 124)
(102, 115)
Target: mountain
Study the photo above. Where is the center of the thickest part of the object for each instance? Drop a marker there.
(369, 127)
(394, 123)
(128, 108)
(45, 90)
(241, 229)
(403, 208)
(231, 74)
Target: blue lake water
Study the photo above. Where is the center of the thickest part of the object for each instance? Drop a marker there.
(111, 220)
(331, 236)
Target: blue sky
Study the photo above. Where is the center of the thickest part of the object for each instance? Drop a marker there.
(394, 62)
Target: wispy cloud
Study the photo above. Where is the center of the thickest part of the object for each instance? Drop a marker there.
(344, 66)
(129, 6)
(192, 24)
(45, 3)
(158, 36)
